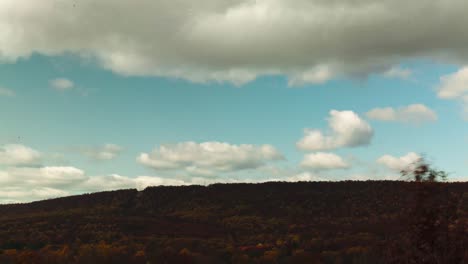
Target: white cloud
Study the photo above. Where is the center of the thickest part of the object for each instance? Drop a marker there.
(347, 130)
(115, 182)
(415, 113)
(374, 177)
(209, 157)
(323, 161)
(6, 92)
(23, 180)
(28, 184)
(398, 163)
(455, 86)
(61, 84)
(107, 183)
(398, 73)
(16, 155)
(237, 40)
(18, 194)
(305, 176)
(105, 152)
(42, 177)
(145, 181)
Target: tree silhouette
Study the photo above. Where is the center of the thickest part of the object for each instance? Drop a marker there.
(432, 213)
(422, 171)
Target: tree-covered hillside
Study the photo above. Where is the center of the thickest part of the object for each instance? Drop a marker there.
(316, 222)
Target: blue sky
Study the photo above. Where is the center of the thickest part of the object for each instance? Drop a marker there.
(77, 117)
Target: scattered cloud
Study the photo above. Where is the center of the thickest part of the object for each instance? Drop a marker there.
(19, 155)
(201, 41)
(21, 184)
(398, 163)
(115, 182)
(19, 194)
(6, 92)
(61, 84)
(209, 157)
(455, 87)
(397, 73)
(347, 130)
(386, 176)
(42, 176)
(323, 161)
(305, 176)
(104, 152)
(415, 114)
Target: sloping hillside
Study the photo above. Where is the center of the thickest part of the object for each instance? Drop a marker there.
(318, 222)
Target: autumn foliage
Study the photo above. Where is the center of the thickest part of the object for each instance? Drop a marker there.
(316, 222)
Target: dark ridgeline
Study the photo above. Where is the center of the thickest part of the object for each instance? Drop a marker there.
(277, 222)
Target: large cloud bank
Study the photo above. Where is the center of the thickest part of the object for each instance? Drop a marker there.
(236, 40)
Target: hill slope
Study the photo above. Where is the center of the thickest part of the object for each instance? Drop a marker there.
(319, 222)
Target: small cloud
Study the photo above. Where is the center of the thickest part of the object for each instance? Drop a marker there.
(19, 155)
(61, 84)
(105, 152)
(6, 92)
(116, 181)
(455, 87)
(415, 113)
(398, 163)
(323, 161)
(347, 130)
(21, 194)
(305, 176)
(398, 73)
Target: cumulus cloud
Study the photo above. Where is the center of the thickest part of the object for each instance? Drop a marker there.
(6, 92)
(18, 194)
(374, 177)
(42, 176)
(415, 113)
(455, 87)
(209, 157)
(237, 40)
(18, 155)
(20, 184)
(305, 176)
(23, 179)
(61, 84)
(398, 163)
(115, 182)
(105, 152)
(347, 130)
(323, 161)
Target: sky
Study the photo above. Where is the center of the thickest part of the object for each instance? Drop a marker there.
(200, 92)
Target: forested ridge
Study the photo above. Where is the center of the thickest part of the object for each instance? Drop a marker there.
(276, 222)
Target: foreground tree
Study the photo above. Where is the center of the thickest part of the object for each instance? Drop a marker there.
(435, 233)
(422, 171)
